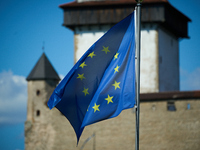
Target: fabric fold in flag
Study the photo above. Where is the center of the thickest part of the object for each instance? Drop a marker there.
(102, 83)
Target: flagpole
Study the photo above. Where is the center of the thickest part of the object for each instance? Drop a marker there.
(138, 35)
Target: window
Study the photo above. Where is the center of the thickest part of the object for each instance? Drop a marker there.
(38, 92)
(188, 106)
(38, 113)
(171, 106)
(153, 107)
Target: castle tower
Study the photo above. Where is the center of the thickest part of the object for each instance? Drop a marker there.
(42, 80)
(162, 27)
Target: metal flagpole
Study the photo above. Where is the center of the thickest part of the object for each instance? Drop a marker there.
(138, 34)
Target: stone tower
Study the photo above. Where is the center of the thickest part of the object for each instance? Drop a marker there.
(162, 27)
(42, 80)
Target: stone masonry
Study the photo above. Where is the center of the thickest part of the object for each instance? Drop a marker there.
(160, 129)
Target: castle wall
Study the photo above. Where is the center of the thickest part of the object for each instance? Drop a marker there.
(168, 61)
(160, 129)
(84, 37)
(37, 124)
(149, 77)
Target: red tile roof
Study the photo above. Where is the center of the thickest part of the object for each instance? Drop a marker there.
(107, 2)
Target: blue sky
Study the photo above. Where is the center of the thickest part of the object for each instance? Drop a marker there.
(27, 25)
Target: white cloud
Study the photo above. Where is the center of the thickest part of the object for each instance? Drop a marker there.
(13, 98)
(61, 76)
(190, 80)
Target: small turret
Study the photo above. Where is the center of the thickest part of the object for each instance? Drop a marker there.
(41, 83)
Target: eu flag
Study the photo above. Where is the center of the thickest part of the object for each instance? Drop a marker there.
(102, 83)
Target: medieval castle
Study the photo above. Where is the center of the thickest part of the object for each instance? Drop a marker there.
(169, 119)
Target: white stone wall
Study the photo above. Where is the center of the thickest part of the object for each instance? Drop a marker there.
(84, 38)
(168, 61)
(149, 59)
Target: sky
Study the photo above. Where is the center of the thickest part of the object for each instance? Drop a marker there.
(27, 26)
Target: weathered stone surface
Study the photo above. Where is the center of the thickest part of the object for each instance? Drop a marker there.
(160, 129)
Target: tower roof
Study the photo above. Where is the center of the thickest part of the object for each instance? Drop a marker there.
(43, 70)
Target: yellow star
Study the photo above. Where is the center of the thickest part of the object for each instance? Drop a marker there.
(81, 76)
(83, 65)
(116, 85)
(109, 99)
(116, 56)
(91, 54)
(116, 69)
(105, 49)
(96, 107)
(85, 91)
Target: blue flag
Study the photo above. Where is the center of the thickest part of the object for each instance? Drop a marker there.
(102, 83)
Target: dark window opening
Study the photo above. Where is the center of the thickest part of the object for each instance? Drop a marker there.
(171, 106)
(38, 92)
(38, 113)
